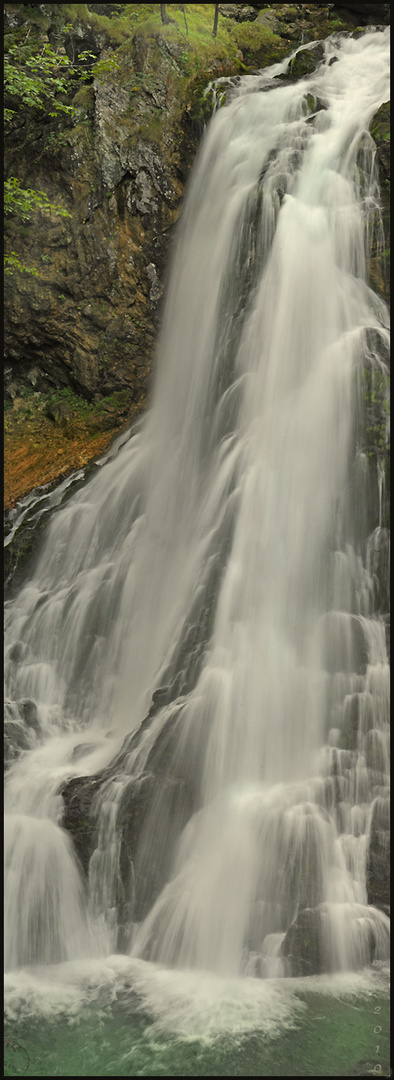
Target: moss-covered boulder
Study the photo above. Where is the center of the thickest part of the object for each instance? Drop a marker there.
(259, 45)
(305, 62)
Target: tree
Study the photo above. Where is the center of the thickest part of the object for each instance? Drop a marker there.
(184, 16)
(33, 77)
(164, 17)
(215, 21)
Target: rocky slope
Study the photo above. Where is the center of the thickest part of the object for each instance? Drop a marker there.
(80, 335)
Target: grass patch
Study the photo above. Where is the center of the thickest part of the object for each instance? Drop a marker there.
(116, 29)
(63, 403)
(338, 24)
(259, 45)
(195, 49)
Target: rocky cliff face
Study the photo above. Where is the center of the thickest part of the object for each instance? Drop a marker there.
(85, 327)
(88, 320)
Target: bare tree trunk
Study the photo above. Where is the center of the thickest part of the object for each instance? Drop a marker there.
(184, 16)
(215, 22)
(164, 17)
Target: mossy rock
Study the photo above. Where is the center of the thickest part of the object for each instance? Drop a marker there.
(200, 105)
(305, 62)
(380, 131)
(259, 45)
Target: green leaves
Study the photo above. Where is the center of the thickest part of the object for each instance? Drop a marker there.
(22, 201)
(34, 78)
(12, 263)
(102, 67)
(37, 77)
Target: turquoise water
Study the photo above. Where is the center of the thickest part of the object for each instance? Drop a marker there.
(314, 1027)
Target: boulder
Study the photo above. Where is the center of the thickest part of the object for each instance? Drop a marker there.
(302, 946)
(305, 62)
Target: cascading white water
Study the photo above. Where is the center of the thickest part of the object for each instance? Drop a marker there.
(219, 556)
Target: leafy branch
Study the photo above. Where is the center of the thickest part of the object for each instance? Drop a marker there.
(37, 77)
(34, 78)
(21, 202)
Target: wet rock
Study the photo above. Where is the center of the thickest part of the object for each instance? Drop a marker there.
(343, 643)
(376, 752)
(156, 290)
(350, 727)
(380, 259)
(83, 749)
(378, 856)
(162, 695)
(78, 794)
(153, 812)
(15, 741)
(302, 946)
(305, 62)
(28, 711)
(21, 728)
(309, 946)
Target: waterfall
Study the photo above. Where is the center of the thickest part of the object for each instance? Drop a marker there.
(200, 647)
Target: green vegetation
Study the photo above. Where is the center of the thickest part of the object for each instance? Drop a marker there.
(195, 49)
(259, 45)
(84, 98)
(380, 127)
(33, 78)
(21, 202)
(43, 79)
(37, 77)
(338, 24)
(64, 402)
(65, 405)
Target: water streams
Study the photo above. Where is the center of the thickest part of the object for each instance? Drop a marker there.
(224, 578)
